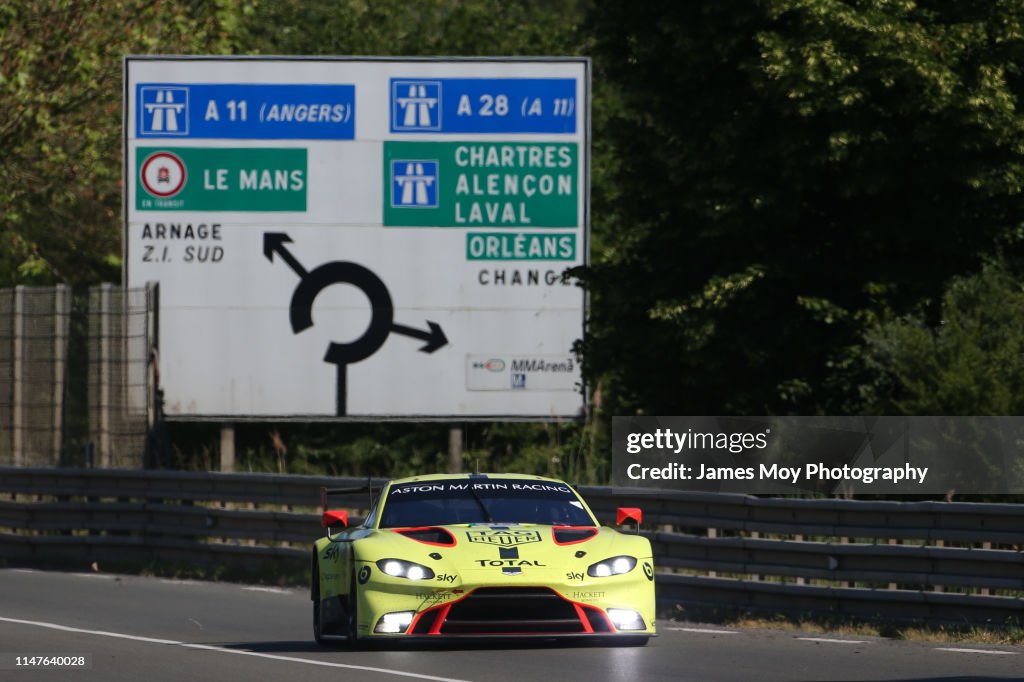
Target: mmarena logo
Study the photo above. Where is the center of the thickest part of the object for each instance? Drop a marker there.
(504, 538)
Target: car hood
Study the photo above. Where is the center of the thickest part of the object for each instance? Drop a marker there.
(481, 546)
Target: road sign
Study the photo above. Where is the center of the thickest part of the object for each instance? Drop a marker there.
(360, 238)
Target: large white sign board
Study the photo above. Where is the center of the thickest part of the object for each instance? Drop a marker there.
(360, 238)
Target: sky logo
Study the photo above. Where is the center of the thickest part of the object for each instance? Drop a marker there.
(163, 111)
(415, 105)
(414, 184)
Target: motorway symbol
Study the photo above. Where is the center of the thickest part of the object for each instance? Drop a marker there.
(416, 105)
(382, 323)
(165, 110)
(414, 183)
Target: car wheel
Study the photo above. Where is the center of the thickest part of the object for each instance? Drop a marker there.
(352, 615)
(318, 633)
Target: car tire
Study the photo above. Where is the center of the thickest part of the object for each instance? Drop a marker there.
(318, 629)
(352, 615)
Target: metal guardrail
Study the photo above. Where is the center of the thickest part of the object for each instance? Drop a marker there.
(840, 557)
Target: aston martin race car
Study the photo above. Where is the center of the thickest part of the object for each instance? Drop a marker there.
(478, 555)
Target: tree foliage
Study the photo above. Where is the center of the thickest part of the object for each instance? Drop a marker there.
(60, 127)
(970, 363)
(792, 199)
(788, 172)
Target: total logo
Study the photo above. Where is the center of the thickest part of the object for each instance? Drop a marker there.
(163, 174)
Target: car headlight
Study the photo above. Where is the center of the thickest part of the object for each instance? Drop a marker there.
(397, 568)
(616, 565)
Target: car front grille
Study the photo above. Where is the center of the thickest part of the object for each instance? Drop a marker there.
(511, 611)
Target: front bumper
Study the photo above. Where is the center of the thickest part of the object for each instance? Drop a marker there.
(489, 608)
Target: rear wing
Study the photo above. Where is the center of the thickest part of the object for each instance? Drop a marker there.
(331, 498)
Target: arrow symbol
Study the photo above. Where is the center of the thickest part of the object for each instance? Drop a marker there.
(435, 337)
(275, 241)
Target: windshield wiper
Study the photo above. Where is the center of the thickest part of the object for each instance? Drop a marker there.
(483, 507)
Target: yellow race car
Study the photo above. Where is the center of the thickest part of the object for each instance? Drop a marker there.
(480, 555)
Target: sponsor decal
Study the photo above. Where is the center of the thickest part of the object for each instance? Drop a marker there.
(573, 575)
(504, 537)
(332, 554)
(587, 596)
(434, 596)
(446, 578)
(364, 575)
(649, 571)
(497, 563)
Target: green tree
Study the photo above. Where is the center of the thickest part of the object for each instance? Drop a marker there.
(971, 362)
(786, 172)
(60, 125)
(404, 28)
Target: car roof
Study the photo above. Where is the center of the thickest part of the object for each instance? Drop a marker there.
(426, 478)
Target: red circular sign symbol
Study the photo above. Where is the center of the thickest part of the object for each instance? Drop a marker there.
(163, 174)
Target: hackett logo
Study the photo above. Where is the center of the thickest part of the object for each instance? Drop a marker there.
(504, 538)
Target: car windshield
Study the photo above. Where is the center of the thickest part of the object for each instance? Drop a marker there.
(504, 500)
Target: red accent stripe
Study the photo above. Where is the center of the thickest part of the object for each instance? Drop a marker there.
(583, 619)
(435, 629)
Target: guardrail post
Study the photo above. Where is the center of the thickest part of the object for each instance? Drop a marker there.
(985, 591)
(799, 579)
(757, 577)
(843, 540)
(227, 447)
(712, 534)
(893, 541)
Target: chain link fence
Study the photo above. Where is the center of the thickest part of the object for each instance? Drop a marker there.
(75, 375)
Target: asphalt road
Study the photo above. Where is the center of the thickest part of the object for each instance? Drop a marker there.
(151, 630)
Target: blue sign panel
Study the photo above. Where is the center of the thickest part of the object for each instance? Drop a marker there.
(483, 105)
(245, 111)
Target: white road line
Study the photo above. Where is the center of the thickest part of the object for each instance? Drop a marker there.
(829, 640)
(994, 652)
(21, 570)
(274, 590)
(171, 581)
(239, 652)
(705, 631)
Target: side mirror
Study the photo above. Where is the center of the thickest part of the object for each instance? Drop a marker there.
(333, 517)
(623, 514)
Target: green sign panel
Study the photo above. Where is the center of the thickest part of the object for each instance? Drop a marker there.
(481, 184)
(520, 246)
(232, 179)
